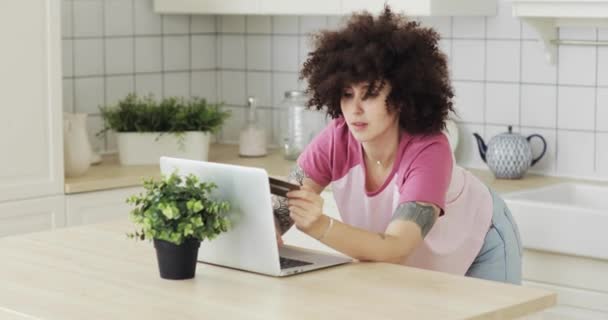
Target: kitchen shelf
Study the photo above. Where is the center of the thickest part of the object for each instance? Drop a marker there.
(546, 16)
(326, 7)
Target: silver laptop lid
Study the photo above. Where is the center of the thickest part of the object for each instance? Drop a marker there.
(251, 243)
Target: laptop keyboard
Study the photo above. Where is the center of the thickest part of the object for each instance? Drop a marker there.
(290, 263)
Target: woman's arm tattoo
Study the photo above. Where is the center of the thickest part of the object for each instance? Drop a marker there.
(422, 215)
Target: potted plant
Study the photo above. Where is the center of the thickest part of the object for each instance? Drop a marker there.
(147, 129)
(177, 213)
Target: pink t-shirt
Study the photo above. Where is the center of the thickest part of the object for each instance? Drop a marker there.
(423, 171)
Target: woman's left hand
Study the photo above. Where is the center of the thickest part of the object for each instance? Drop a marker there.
(306, 210)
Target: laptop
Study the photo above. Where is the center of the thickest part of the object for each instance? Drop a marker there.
(251, 243)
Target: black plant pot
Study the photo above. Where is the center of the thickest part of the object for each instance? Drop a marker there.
(177, 262)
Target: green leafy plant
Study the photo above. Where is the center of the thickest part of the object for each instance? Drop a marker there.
(176, 209)
(170, 115)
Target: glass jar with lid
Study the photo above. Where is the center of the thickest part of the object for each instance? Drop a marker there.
(297, 125)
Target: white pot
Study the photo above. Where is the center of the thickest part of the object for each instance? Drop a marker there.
(76, 146)
(147, 147)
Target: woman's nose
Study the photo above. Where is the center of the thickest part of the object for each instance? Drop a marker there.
(358, 106)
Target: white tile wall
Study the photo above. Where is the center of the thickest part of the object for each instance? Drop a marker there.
(258, 24)
(117, 87)
(502, 103)
(176, 53)
(498, 67)
(535, 68)
(285, 53)
(148, 54)
(176, 24)
(233, 51)
(203, 85)
(119, 18)
(441, 25)
(469, 101)
(146, 21)
(577, 65)
(538, 105)
(119, 56)
(115, 47)
(469, 60)
(576, 108)
(202, 24)
(88, 18)
(601, 116)
(259, 49)
(602, 153)
(503, 26)
(503, 60)
(575, 153)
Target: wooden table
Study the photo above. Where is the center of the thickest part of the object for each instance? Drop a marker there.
(95, 272)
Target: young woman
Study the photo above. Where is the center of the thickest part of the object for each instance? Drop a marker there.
(400, 196)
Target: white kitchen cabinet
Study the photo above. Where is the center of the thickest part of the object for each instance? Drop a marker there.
(99, 206)
(309, 7)
(31, 146)
(326, 7)
(206, 6)
(581, 283)
(40, 214)
(249, 7)
(425, 7)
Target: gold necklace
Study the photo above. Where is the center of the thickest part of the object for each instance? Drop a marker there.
(379, 163)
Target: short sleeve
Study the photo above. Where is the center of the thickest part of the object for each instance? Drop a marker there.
(428, 176)
(316, 159)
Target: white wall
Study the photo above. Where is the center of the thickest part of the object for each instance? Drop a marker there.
(498, 72)
(113, 47)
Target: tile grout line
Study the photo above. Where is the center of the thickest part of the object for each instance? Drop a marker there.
(597, 53)
(272, 93)
(105, 65)
(190, 56)
(557, 86)
(134, 46)
(219, 72)
(485, 77)
(245, 63)
(162, 56)
(73, 24)
(520, 86)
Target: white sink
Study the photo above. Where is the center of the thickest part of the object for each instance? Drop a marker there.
(567, 218)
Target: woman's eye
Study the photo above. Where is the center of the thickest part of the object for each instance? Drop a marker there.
(347, 95)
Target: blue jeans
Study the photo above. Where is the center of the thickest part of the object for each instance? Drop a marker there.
(500, 256)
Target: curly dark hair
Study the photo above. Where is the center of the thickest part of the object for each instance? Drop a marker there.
(388, 48)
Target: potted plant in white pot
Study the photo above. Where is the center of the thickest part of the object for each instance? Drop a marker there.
(177, 213)
(147, 129)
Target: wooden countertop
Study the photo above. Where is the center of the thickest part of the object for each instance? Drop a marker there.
(110, 174)
(95, 272)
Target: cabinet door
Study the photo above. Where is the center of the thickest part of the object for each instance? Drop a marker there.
(31, 164)
(206, 6)
(373, 6)
(100, 206)
(575, 297)
(17, 217)
(297, 7)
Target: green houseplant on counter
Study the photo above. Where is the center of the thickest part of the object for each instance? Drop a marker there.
(177, 213)
(147, 129)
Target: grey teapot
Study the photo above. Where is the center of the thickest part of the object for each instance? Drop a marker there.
(509, 154)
